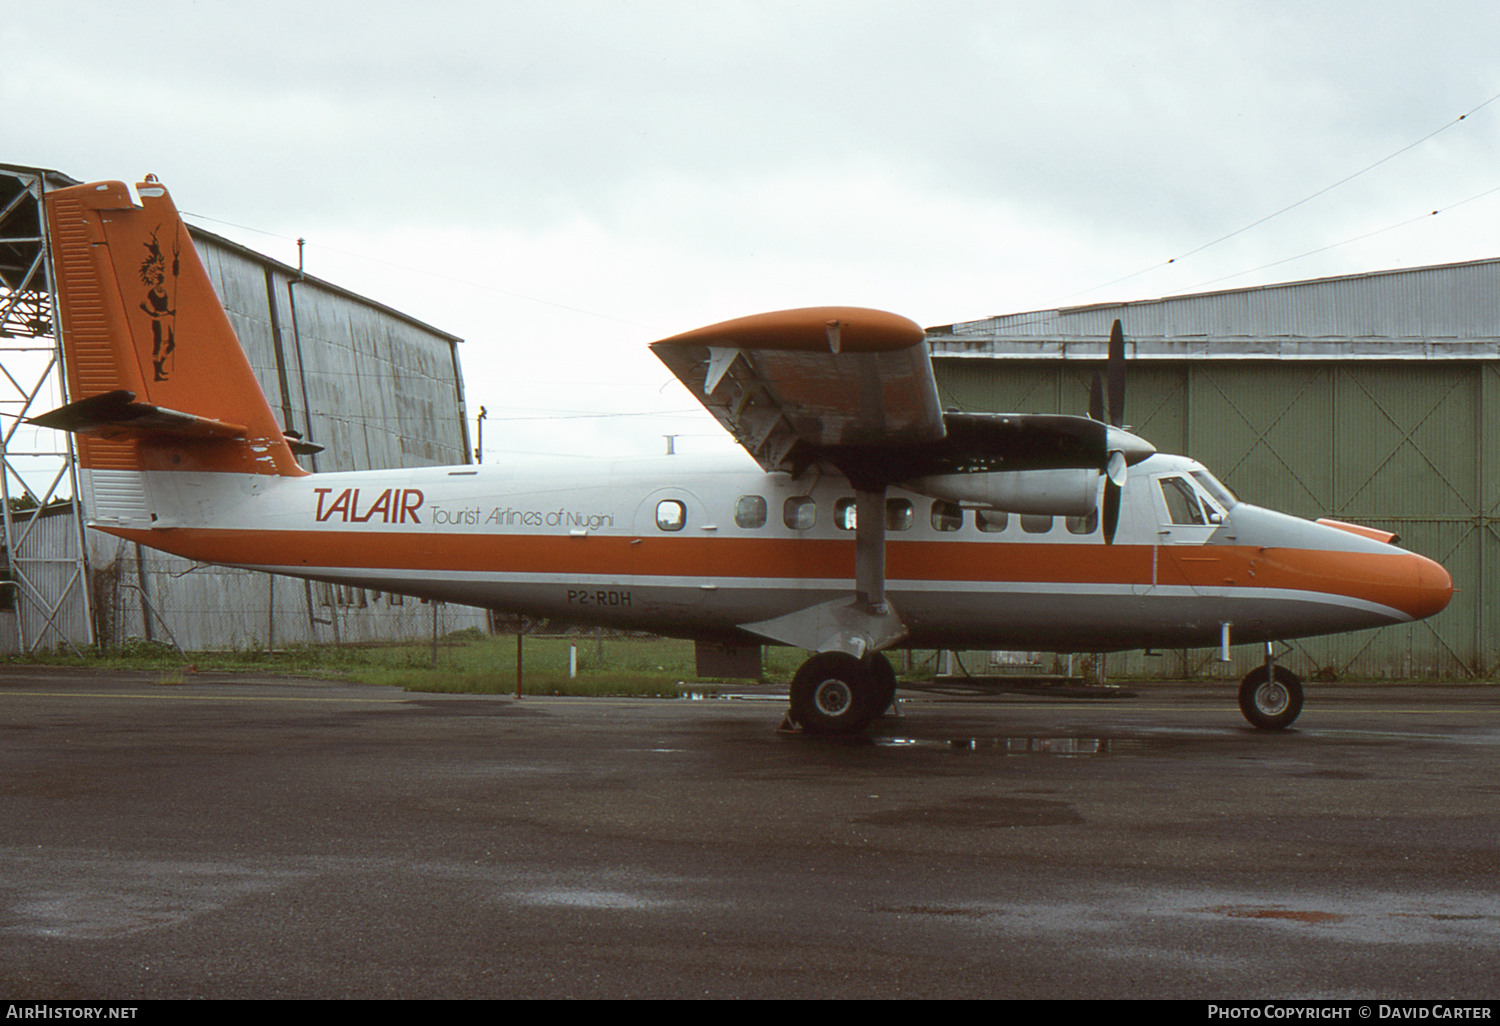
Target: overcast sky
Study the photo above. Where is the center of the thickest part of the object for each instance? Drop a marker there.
(561, 182)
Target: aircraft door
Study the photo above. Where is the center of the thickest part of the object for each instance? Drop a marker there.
(1184, 515)
(671, 556)
(1185, 518)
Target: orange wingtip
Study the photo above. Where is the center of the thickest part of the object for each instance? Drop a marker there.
(840, 329)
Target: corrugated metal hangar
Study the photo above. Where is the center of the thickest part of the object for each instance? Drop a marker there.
(1370, 399)
(375, 387)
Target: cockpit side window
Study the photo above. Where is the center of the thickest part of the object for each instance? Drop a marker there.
(1182, 501)
(1213, 487)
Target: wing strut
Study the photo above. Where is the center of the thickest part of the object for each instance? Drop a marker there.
(857, 627)
(869, 549)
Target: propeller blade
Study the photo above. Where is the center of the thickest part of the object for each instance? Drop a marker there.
(1096, 398)
(1116, 370)
(1111, 511)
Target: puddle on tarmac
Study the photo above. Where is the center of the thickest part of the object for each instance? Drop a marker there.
(582, 897)
(1060, 746)
(1275, 912)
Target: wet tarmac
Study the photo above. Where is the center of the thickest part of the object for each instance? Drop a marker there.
(236, 836)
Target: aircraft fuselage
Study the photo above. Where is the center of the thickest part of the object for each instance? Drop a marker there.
(692, 548)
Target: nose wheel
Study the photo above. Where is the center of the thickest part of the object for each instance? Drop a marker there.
(1271, 697)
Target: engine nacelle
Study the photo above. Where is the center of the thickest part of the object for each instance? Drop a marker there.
(1058, 493)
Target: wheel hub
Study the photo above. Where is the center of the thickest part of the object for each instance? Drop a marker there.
(1271, 698)
(833, 697)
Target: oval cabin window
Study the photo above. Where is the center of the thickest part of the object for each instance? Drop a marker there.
(671, 515)
(750, 511)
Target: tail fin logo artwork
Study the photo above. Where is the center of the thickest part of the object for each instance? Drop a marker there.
(159, 303)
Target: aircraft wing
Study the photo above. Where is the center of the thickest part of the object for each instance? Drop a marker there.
(827, 376)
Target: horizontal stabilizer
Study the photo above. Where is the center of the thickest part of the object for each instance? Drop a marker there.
(299, 447)
(117, 414)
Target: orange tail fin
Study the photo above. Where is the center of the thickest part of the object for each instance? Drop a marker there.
(156, 375)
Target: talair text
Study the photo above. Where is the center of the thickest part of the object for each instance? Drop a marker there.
(400, 505)
(392, 506)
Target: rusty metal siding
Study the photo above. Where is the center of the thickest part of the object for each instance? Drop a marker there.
(48, 556)
(377, 389)
(382, 389)
(168, 600)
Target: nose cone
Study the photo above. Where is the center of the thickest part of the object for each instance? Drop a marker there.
(1428, 590)
(1387, 584)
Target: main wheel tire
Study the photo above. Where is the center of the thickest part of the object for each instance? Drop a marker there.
(832, 693)
(1271, 704)
(883, 690)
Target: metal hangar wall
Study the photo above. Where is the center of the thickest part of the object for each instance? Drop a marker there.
(1371, 398)
(375, 387)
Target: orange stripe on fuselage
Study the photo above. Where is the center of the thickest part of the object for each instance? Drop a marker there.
(1398, 579)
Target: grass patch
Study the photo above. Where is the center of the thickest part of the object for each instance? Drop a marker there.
(468, 662)
(638, 667)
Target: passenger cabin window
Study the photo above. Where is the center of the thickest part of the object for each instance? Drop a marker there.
(991, 521)
(671, 515)
(845, 514)
(799, 512)
(750, 511)
(947, 516)
(1033, 523)
(1084, 525)
(899, 515)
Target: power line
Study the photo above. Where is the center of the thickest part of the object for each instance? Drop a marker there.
(1291, 206)
(1335, 245)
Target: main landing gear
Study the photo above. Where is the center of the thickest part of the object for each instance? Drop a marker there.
(836, 693)
(1271, 695)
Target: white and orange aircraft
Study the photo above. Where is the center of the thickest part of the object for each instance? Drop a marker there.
(876, 519)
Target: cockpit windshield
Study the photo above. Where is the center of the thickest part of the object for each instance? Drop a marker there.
(1211, 485)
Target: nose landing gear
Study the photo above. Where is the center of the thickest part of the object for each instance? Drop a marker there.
(1271, 696)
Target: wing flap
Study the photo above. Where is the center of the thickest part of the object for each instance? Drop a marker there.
(824, 376)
